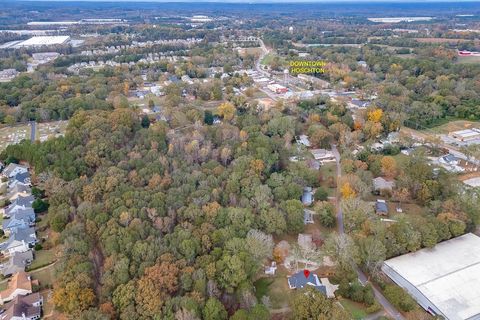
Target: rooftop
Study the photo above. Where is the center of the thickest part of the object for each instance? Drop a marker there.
(447, 275)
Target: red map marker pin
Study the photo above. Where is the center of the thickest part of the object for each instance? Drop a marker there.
(306, 273)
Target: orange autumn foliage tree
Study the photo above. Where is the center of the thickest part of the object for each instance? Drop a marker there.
(157, 283)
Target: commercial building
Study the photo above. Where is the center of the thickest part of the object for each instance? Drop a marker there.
(444, 280)
(277, 88)
(466, 135)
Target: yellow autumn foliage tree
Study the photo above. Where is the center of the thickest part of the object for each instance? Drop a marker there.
(375, 115)
(226, 110)
(347, 191)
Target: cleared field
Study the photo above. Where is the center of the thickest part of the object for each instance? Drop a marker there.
(50, 129)
(454, 125)
(469, 59)
(13, 135)
(441, 40)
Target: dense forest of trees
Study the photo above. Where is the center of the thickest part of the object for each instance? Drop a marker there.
(154, 224)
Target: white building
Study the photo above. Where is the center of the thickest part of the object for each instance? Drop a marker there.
(466, 135)
(444, 280)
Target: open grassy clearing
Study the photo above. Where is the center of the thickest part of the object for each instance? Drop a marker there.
(276, 288)
(357, 310)
(45, 276)
(469, 59)
(453, 125)
(42, 258)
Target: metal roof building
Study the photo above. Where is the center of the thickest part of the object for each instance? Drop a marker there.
(444, 280)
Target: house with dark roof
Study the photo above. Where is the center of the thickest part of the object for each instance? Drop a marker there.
(13, 169)
(27, 307)
(299, 281)
(381, 207)
(17, 263)
(22, 177)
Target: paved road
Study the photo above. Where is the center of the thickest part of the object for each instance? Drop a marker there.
(33, 129)
(389, 308)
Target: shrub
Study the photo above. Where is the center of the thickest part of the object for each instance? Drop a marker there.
(321, 194)
(399, 298)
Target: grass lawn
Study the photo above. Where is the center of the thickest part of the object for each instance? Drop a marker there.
(267, 59)
(47, 302)
(453, 125)
(42, 258)
(276, 288)
(355, 309)
(328, 170)
(45, 276)
(401, 159)
(261, 287)
(468, 59)
(3, 285)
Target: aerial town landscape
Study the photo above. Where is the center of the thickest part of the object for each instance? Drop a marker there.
(244, 161)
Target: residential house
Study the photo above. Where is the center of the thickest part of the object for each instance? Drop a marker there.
(307, 196)
(380, 184)
(27, 307)
(22, 177)
(20, 240)
(450, 159)
(358, 104)
(17, 263)
(13, 169)
(20, 203)
(381, 207)
(303, 139)
(308, 216)
(299, 281)
(19, 189)
(323, 155)
(20, 284)
(20, 219)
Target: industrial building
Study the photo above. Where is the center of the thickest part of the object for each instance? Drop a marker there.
(37, 41)
(444, 280)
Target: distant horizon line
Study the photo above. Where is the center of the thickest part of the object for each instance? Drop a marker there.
(258, 1)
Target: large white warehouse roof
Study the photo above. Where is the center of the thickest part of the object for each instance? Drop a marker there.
(444, 279)
(43, 41)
